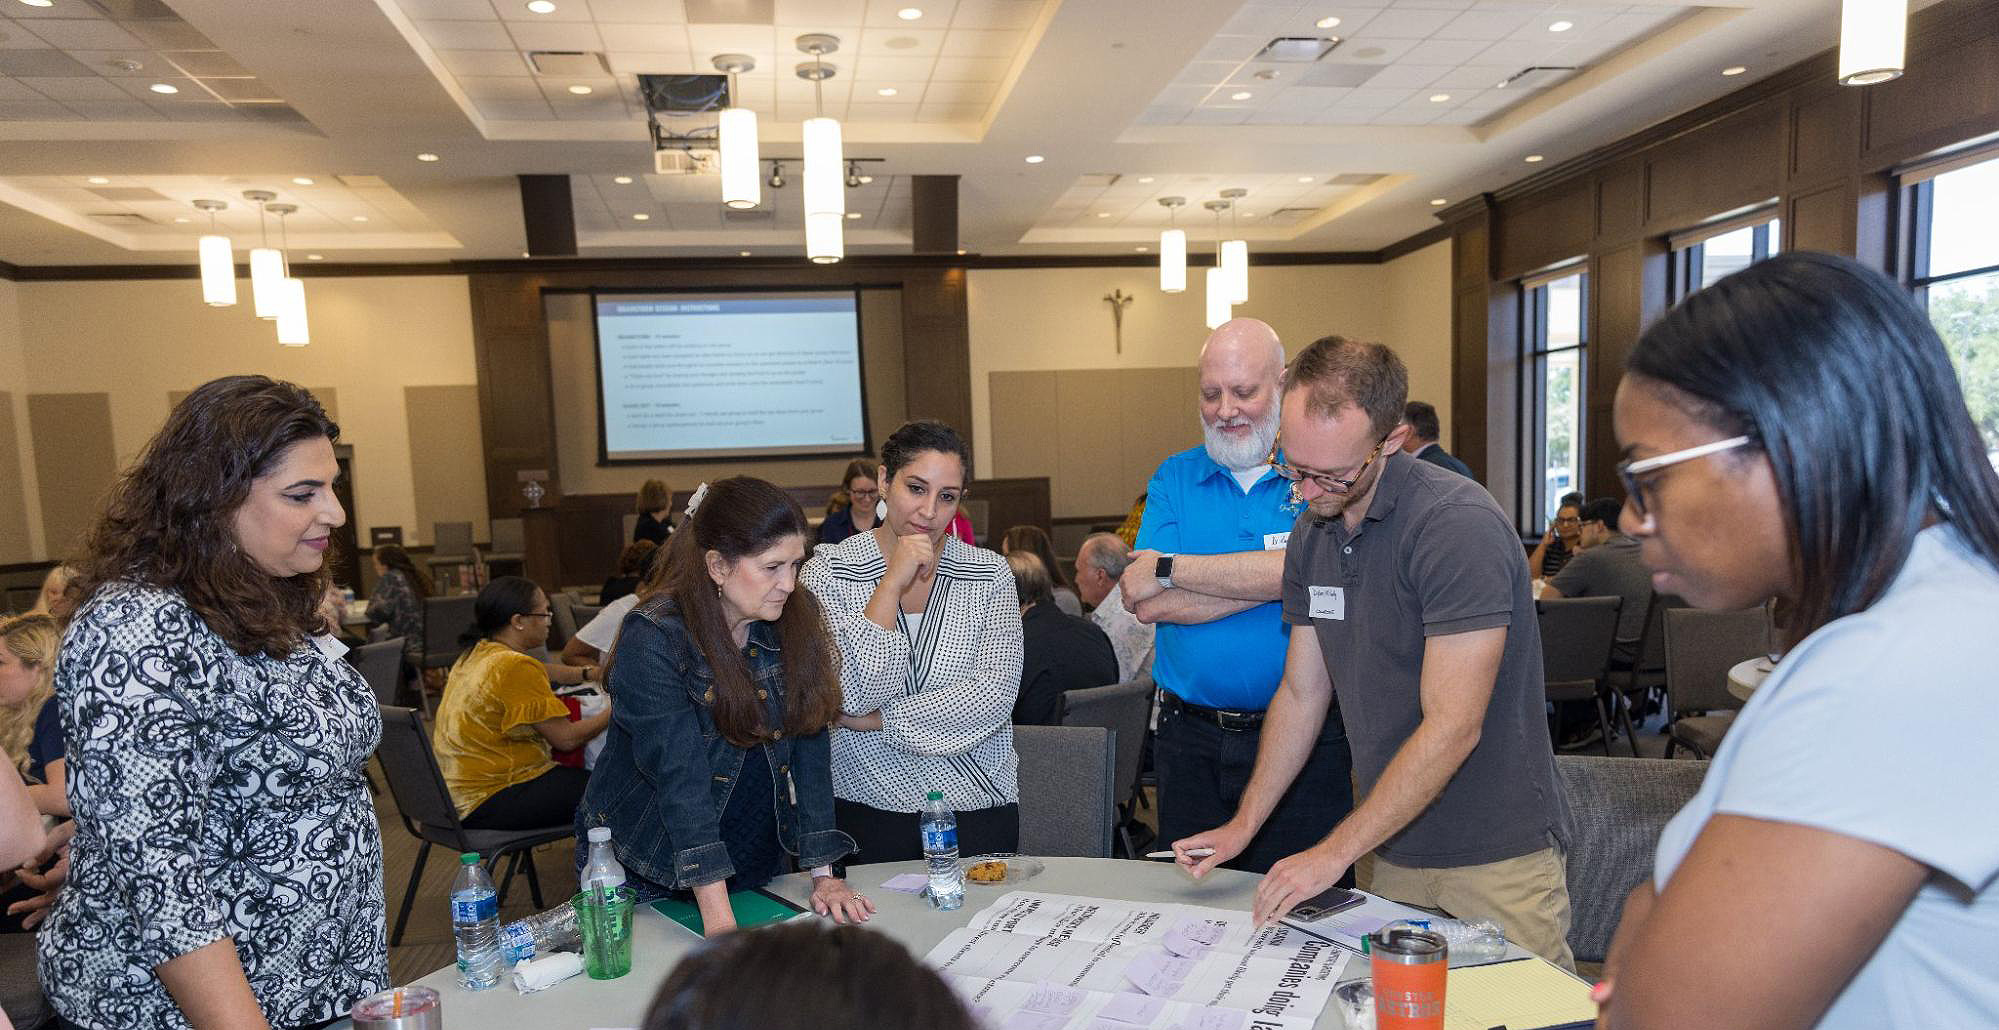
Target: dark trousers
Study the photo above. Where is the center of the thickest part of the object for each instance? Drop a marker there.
(1203, 770)
(547, 800)
(894, 836)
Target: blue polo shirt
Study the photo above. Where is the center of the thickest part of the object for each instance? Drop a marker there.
(1195, 506)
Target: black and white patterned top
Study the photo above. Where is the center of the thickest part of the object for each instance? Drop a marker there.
(945, 687)
(215, 795)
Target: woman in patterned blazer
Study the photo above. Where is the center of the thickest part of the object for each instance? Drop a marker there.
(929, 634)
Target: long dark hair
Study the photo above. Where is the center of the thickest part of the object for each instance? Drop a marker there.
(926, 434)
(394, 557)
(1035, 542)
(740, 517)
(1839, 378)
(805, 976)
(169, 520)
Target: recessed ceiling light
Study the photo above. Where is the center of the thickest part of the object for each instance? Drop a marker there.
(164, 88)
(1304, 178)
(1561, 26)
(622, 180)
(1241, 95)
(541, 6)
(39, 3)
(315, 257)
(98, 180)
(853, 215)
(1327, 22)
(301, 180)
(427, 156)
(526, 254)
(909, 13)
(1734, 70)
(1035, 159)
(181, 221)
(961, 253)
(742, 253)
(1534, 159)
(886, 91)
(360, 218)
(1438, 98)
(1141, 250)
(641, 217)
(1438, 202)
(1103, 214)
(864, 179)
(1145, 178)
(581, 90)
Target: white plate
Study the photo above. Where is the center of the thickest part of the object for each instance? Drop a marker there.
(1019, 869)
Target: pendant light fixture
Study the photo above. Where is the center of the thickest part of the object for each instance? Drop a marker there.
(218, 261)
(292, 330)
(1172, 249)
(1872, 34)
(825, 192)
(267, 266)
(1216, 279)
(1235, 252)
(740, 186)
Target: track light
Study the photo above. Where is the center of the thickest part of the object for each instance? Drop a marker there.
(776, 180)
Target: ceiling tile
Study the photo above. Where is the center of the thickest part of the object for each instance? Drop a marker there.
(1375, 51)
(883, 13)
(454, 9)
(829, 13)
(982, 43)
(1206, 73)
(1488, 25)
(465, 35)
(115, 111)
(1305, 99)
(901, 42)
(142, 89)
(1401, 23)
(199, 112)
(668, 62)
(75, 87)
(206, 64)
(77, 34)
(1517, 53)
(39, 62)
(709, 40)
(484, 62)
(980, 93)
(995, 14)
(1231, 48)
(168, 34)
(881, 112)
(1216, 116)
(1376, 98)
(1444, 51)
(482, 88)
(515, 110)
(970, 69)
(1265, 22)
(242, 91)
(555, 35)
(565, 11)
(34, 110)
(905, 69)
(1473, 76)
(101, 60)
(1409, 76)
(656, 12)
(17, 37)
(12, 90)
(633, 36)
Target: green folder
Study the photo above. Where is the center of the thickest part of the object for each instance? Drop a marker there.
(753, 908)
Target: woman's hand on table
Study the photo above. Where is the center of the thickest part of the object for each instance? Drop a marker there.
(871, 722)
(832, 897)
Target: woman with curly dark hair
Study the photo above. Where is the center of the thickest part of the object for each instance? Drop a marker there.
(227, 868)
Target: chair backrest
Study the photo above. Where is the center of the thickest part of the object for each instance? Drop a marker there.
(381, 664)
(1652, 640)
(631, 525)
(563, 624)
(450, 538)
(510, 536)
(1700, 647)
(1618, 807)
(445, 620)
(1066, 807)
(1577, 635)
(583, 613)
(411, 768)
(1123, 709)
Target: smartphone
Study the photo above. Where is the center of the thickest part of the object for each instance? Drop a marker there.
(1325, 903)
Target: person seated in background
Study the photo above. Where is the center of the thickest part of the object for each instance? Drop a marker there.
(1424, 429)
(853, 508)
(1797, 430)
(719, 772)
(1100, 561)
(31, 727)
(633, 562)
(499, 718)
(1031, 540)
(805, 976)
(592, 644)
(1127, 531)
(54, 600)
(397, 600)
(655, 504)
(1059, 652)
(1608, 565)
(1561, 541)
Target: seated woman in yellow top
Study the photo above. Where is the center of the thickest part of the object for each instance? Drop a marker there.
(500, 717)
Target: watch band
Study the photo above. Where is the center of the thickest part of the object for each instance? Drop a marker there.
(1163, 570)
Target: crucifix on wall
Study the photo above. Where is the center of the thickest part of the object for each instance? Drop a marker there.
(1118, 300)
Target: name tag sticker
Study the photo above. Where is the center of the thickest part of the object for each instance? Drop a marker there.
(1276, 541)
(1329, 603)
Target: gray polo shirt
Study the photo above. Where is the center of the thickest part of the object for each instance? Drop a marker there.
(1434, 556)
(1612, 569)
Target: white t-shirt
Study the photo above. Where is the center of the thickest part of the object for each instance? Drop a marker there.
(1881, 726)
(601, 632)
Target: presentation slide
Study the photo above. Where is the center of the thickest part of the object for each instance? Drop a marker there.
(728, 375)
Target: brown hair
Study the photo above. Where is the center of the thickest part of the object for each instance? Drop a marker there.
(394, 557)
(1340, 372)
(654, 495)
(858, 468)
(1030, 578)
(632, 560)
(1035, 542)
(805, 976)
(740, 517)
(33, 640)
(168, 522)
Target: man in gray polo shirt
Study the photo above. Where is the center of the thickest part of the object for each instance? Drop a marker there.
(1407, 591)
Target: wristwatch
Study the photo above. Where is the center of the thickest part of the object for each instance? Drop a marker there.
(1163, 570)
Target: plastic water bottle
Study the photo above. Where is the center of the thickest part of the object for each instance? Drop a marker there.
(540, 934)
(475, 922)
(603, 868)
(1477, 941)
(940, 847)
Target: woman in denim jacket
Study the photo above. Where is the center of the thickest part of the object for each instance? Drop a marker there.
(717, 774)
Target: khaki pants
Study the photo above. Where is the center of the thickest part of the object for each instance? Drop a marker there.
(1527, 896)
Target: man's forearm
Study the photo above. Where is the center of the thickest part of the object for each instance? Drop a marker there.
(1186, 608)
(1290, 728)
(1243, 575)
(1413, 779)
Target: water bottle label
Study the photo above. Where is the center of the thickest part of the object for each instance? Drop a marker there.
(474, 907)
(517, 941)
(940, 838)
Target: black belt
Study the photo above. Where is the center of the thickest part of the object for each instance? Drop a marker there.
(1234, 722)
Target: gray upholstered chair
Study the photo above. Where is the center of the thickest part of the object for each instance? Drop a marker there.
(1618, 806)
(450, 548)
(1576, 637)
(1066, 808)
(1123, 709)
(381, 664)
(445, 620)
(1700, 648)
(428, 813)
(509, 547)
(562, 625)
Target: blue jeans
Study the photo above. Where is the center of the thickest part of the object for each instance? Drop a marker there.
(1203, 770)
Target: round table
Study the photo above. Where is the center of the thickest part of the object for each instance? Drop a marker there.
(1746, 675)
(658, 943)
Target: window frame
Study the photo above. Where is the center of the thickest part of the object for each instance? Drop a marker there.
(1688, 250)
(1534, 355)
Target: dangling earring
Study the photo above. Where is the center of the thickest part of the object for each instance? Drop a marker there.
(881, 509)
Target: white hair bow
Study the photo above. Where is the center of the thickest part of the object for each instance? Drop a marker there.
(694, 501)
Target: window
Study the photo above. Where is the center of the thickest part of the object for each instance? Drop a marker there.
(1701, 259)
(1955, 270)
(1554, 333)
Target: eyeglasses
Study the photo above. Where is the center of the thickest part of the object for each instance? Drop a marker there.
(1573, 520)
(1325, 481)
(537, 615)
(1630, 471)
(864, 493)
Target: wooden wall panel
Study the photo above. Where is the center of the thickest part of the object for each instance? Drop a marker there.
(1943, 98)
(1821, 220)
(1617, 284)
(1542, 230)
(1620, 201)
(1823, 143)
(1733, 163)
(75, 462)
(1156, 410)
(937, 342)
(14, 538)
(1097, 434)
(1027, 424)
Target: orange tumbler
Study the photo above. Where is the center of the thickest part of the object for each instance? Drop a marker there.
(1409, 966)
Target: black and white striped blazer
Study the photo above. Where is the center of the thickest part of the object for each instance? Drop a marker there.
(945, 687)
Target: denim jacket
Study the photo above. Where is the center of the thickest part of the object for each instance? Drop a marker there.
(666, 772)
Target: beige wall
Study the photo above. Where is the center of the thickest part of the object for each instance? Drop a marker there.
(139, 342)
(1034, 320)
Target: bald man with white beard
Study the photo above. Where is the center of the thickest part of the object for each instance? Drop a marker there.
(1208, 572)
